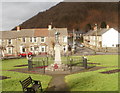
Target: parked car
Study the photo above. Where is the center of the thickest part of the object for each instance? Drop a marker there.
(81, 45)
(25, 54)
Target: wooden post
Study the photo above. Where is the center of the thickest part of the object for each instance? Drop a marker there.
(30, 64)
(67, 60)
(71, 64)
(47, 60)
(44, 66)
(85, 63)
(83, 60)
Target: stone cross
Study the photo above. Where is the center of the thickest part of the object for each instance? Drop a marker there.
(57, 37)
(57, 49)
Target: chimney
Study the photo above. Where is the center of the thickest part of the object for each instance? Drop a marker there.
(49, 27)
(18, 28)
(95, 27)
(107, 26)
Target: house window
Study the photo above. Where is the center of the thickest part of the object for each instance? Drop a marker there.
(42, 39)
(0, 41)
(30, 39)
(9, 50)
(24, 40)
(9, 41)
(31, 48)
(43, 49)
(64, 39)
(35, 39)
(117, 45)
(35, 48)
(23, 49)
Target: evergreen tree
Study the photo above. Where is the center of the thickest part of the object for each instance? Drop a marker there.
(103, 24)
(88, 27)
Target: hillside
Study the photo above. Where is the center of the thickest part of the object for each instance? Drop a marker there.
(75, 15)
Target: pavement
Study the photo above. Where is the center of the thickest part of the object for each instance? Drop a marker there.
(88, 51)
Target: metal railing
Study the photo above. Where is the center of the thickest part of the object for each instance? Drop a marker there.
(43, 62)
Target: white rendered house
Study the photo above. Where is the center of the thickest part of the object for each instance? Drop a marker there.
(110, 38)
(102, 38)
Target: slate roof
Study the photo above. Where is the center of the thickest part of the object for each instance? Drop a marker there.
(79, 32)
(17, 34)
(62, 31)
(25, 33)
(7, 35)
(41, 32)
(99, 32)
(32, 33)
(89, 33)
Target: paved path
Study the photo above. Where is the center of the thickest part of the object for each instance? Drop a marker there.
(58, 84)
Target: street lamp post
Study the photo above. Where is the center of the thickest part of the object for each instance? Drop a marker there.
(73, 48)
(96, 38)
(16, 47)
(73, 38)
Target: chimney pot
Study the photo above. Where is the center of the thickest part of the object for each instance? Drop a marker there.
(49, 27)
(107, 26)
(95, 27)
(18, 28)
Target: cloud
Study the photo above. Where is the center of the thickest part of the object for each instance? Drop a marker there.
(91, 0)
(31, 0)
(14, 13)
(0, 16)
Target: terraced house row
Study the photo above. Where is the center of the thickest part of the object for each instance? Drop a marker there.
(38, 41)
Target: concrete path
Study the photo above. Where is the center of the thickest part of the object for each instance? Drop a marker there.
(58, 84)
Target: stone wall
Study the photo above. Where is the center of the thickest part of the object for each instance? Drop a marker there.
(108, 49)
(104, 49)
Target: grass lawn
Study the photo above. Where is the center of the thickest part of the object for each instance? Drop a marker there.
(93, 80)
(13, 84)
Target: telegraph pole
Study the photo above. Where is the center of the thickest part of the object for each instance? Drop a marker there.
(73, 48)
(73, 38)
(96, 37)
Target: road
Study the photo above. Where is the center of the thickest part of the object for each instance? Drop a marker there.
(88, 51)
(84, 51)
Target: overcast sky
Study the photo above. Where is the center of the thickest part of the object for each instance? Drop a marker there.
(14, 12)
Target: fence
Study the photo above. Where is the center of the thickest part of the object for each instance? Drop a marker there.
(71, 62)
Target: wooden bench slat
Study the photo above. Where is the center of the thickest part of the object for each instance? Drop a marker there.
(26, 84)
(29, 81)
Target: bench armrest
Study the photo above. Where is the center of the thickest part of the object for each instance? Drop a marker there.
(30, 89)
(37, 82)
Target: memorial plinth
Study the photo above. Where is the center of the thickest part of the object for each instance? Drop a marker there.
(57, 66)
(57, 54)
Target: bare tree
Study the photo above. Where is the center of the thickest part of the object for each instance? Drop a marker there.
(2, 49)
